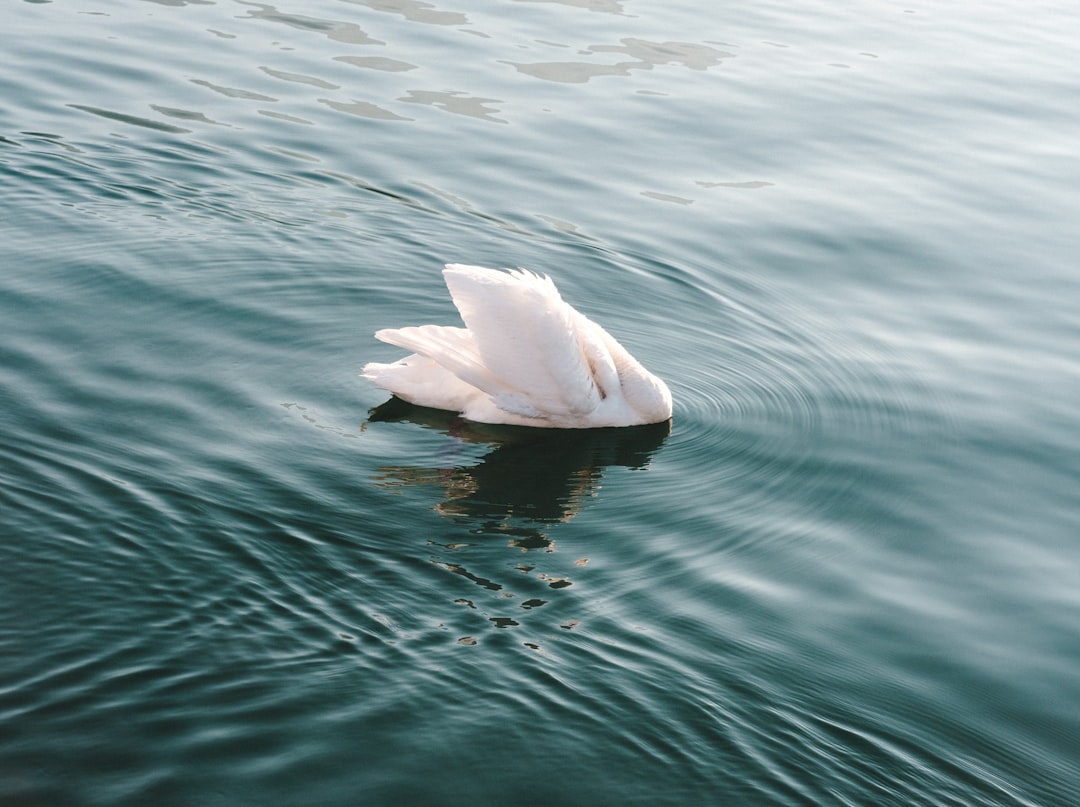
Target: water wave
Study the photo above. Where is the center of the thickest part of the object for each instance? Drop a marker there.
(772, 399)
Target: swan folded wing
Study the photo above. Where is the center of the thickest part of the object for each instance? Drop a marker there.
(594, 343)
(452, 348)
(422, 381)
(527, 338)
(453, 353)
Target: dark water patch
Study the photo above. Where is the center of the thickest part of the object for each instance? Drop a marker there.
(133, 120)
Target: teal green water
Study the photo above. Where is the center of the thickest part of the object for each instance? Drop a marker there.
(844, 234)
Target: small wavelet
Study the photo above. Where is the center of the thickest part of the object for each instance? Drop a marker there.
(772, 400)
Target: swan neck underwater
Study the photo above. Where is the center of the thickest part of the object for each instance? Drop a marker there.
(525, 357)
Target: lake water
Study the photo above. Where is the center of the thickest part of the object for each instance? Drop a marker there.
(846, 235)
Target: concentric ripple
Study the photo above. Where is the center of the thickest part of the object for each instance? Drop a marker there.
(781, 410)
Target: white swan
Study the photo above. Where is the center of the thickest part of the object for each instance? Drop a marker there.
(524, 358)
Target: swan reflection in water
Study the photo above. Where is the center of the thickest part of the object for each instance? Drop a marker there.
(515, 482)
(530, 477)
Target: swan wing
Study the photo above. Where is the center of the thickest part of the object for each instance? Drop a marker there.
(453, 348)
(529, 341)
(456, 360)
(422, 381)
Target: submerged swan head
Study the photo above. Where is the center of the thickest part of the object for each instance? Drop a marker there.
(525, 357)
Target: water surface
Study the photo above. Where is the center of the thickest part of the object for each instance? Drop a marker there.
(845, 573)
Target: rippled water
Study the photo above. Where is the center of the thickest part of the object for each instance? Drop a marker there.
(846, 573)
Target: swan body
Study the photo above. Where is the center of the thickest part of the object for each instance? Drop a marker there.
(524, 357)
